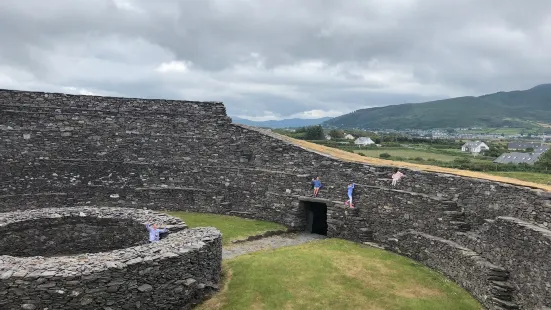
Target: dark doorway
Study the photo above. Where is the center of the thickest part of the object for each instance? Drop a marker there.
(316, 217)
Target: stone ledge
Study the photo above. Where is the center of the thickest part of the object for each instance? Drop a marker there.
(544, 232)
(139, 215)
(269, 233)
(172, 188)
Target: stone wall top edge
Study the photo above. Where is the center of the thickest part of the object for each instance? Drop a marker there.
(138, 215)
(526, 225)
(176, 244)
(58, 94)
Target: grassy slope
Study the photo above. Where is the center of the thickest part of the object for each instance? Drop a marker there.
(232, 227)
(494, 110)
(526, 176)
(406, 153)
(343, 155)
(334, 274)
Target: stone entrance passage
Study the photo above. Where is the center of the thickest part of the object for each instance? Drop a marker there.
(316, 217)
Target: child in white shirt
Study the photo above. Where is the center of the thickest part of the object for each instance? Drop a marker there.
(397, 176)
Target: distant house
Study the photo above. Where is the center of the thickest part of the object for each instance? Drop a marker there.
(518, 158)
(364, 141)
(349, 136)
(521, 146)
(327, 137)
(474, 147)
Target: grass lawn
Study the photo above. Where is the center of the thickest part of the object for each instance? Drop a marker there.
(542, 178)
(406, 153)
(334, 274)
(232, 227)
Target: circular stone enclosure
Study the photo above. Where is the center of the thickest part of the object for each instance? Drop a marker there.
(70, 235)
(47, 260)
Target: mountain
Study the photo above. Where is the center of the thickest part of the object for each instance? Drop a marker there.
(514, 109)
(284, 123)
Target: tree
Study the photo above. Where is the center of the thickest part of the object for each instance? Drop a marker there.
(544, 161)
(494, 151)
(314, 133)
(336, 134)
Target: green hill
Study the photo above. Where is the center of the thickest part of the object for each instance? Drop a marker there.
(513, 109)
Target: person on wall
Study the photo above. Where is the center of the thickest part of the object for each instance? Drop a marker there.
(316, 183)
(397, 176)
(155, 233)
(350, 191)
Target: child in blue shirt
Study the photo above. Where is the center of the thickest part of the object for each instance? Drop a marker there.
(154, 232)
(350, 190)
(317, 185)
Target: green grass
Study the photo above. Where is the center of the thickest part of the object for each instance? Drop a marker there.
(504, 130)
(541, 178)
(232, 227)
(405, 153)
(334, 274)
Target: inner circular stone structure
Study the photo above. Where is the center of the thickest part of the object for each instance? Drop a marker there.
(100, 258)
(69, 235)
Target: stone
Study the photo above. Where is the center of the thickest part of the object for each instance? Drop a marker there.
(86, 301)
(145, 288)
(49, 273)
(28, 306)
(189, 282)
(112, 289)
(6, 274)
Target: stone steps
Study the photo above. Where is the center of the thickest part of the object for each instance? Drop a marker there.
(454, 215)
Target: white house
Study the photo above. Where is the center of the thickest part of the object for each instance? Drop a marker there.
(349, 136)
(364, 141)
(327, 137)
(475, 147)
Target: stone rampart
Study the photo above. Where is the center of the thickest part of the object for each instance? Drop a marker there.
(60, 150)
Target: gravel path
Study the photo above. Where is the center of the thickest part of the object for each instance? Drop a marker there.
(272, 242)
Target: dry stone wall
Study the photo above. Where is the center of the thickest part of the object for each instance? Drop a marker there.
(62, 150)
(67, 236)
(175, 273)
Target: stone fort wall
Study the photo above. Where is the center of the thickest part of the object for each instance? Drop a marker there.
(63, 150)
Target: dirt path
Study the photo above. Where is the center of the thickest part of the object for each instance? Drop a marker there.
(272, 242)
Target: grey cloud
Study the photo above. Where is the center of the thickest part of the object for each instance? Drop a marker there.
(410, 50)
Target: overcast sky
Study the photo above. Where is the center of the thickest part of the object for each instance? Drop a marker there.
(276, 59)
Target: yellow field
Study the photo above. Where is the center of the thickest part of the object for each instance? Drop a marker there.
(340, 154)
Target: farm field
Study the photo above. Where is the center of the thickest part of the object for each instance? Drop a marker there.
(406, 153)
(506, 131)
(542, 178)
(334, 274)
